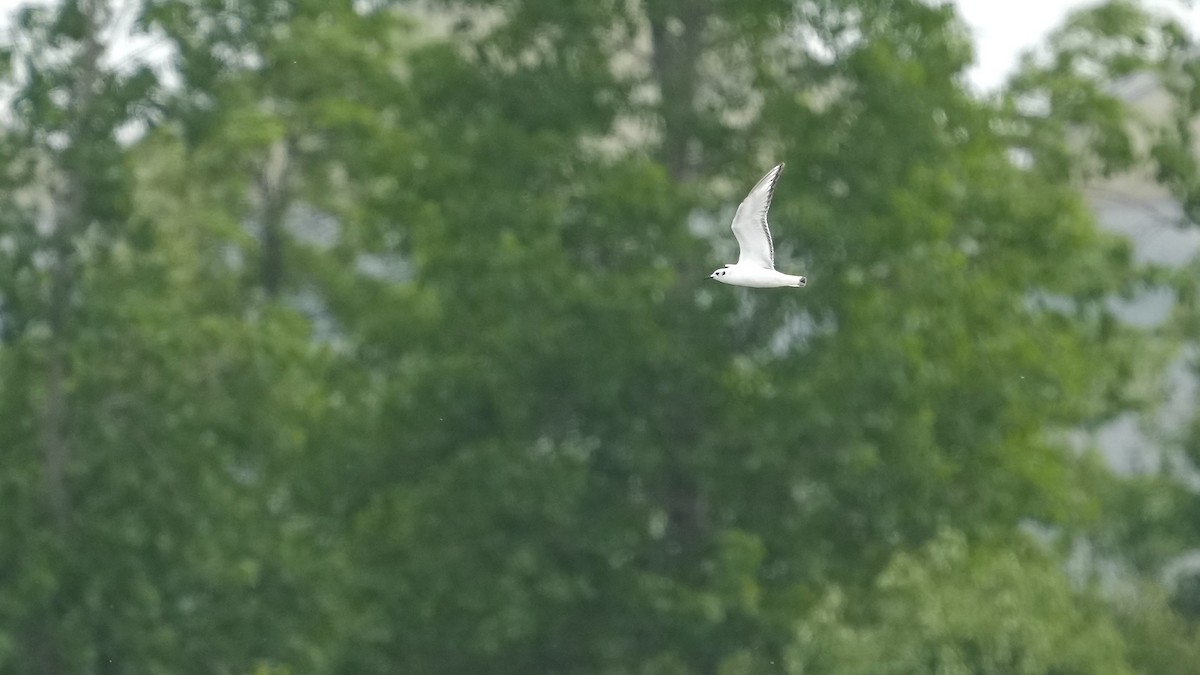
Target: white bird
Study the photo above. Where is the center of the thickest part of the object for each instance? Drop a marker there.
(756, 260)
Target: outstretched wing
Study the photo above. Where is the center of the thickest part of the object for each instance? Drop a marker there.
(750, 223)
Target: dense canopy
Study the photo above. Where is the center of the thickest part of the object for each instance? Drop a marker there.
(375, 337)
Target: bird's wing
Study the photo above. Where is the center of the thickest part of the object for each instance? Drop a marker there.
(750, 223)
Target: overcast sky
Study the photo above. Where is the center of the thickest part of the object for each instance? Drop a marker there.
(1002, 28)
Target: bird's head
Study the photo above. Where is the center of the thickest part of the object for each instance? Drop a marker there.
(717, 274)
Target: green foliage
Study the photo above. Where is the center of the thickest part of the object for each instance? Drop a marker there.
(1079, 83)
(961, 612)
(1065, 101)
(396, 354)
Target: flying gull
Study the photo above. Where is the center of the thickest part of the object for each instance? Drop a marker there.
(756, 262)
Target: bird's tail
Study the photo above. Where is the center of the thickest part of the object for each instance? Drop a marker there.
(799, 282)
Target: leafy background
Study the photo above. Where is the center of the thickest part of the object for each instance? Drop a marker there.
(374, 337)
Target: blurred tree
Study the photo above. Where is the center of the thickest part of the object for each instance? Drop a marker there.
(1072, 91)
(590, 462)
(950, 610)
(66, 111)
(484, 416)
(280, 105)
(65, 197)
(151, 519)
(1067, 97)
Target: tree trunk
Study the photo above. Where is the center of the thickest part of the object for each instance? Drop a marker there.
(69, 218)
(68, 215)
(274, 195)
(676, 42)
(64, 213)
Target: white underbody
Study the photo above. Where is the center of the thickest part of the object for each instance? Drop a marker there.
(757, 277)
